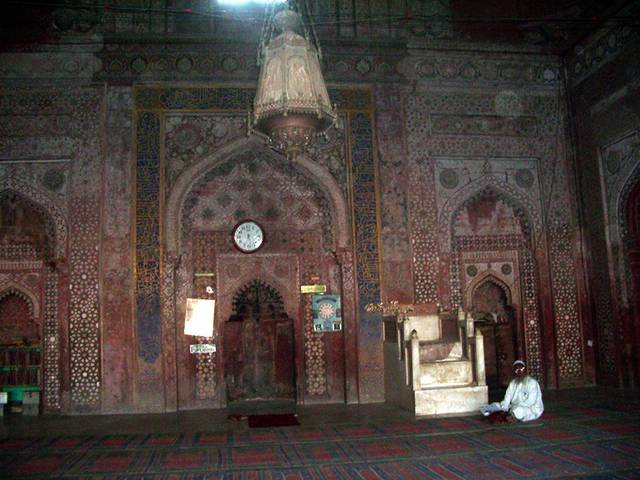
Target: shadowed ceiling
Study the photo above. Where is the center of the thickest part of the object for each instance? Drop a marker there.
(553, 25)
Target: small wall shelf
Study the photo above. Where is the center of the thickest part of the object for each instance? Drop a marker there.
(20, 370)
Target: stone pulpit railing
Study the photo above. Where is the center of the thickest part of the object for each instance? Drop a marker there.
(434, 361)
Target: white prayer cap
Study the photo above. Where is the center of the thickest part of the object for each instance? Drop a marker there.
(518, 362)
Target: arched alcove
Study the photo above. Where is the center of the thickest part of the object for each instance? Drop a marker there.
(490, 212)
(498, 293)
(492, 239)
(18, 322)
(314, 172)
(41, 205)
(303, 214)
(489, 187)
(496, 319)
(259, 346)
(629, 219)
(23, 223)
(33, 237)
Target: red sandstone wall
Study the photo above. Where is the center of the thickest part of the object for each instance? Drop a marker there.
(604, 92)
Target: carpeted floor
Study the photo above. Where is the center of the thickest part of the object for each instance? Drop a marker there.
(599, 439)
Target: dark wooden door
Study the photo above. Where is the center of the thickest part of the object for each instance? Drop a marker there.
(499, 351)
(258, 347)
(498, 326)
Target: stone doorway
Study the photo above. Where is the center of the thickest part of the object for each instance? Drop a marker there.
(497, 321)
(259, 361)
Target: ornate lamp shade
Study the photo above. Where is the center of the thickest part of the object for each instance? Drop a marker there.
(292, 104)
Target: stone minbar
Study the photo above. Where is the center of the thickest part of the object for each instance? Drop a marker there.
(434, 361)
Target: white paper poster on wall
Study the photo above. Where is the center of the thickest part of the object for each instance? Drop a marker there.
(199, 317)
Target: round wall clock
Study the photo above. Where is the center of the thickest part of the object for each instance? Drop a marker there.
(248, 236)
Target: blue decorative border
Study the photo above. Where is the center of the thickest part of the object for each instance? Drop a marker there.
(365, 211)
(147, 236)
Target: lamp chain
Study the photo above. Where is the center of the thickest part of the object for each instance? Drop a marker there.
(314, 33)
(267, 30)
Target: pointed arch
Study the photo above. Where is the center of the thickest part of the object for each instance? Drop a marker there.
(629, 186)
(53, 215)
(254, 295)
(12, 288)
(190, 177)
(487, 276)
(525, 206)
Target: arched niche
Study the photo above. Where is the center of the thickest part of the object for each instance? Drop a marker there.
(527, 208)
(508, 238)
(487, 277)
(44, 297)
(192, 175)
(504, 214)
(490, 300)
(53, 217)
(10, 288)
(204, 256)
(19, 316)
(627, 213)
(258, 345)
(629, 254)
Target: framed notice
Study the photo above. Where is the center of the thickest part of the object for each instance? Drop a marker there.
(327, 313)
(199, 317)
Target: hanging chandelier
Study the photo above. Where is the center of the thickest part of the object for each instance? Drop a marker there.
(292, 105)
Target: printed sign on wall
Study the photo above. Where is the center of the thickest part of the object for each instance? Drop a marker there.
(327, 314)
(199, 317)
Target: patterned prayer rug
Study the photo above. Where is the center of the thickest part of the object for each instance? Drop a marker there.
(603, 442)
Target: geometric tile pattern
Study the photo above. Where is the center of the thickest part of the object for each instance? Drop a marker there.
(185, 134)
(51, 344)
(84, 260)
(463, 142)
(84, 327)
(568, 327)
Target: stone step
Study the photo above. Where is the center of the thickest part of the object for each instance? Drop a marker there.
(446, 373)
(439, 401)
(434, 351)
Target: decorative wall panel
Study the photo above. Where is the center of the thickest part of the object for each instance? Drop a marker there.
(394, 217)
(620, 174)
(194, 137)
(560, 210)
(364, 180)
(53, 157)
(119, 349)
(568, 328)
(84, 264)
(51, 345)
(190, 137)
(147, 236)
(600, 49)
(461, 144)
(365, 205)
(422, 205)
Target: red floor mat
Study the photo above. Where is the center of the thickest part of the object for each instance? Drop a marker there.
(274, 420)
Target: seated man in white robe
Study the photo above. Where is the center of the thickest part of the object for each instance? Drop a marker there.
(522, 401)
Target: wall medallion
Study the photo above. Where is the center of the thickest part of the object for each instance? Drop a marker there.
(524, 178)
(449, 178)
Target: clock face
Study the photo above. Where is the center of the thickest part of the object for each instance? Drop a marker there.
(248, 236)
